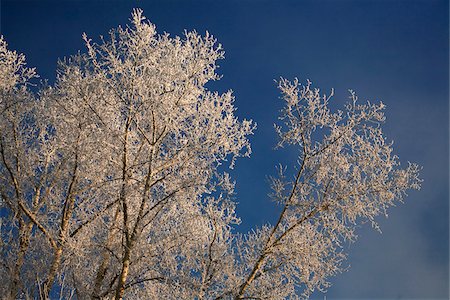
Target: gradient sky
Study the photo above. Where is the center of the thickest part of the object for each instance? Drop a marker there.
(394, 51)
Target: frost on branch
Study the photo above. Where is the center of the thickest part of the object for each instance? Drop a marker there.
(110, 185)
(13, 73)
(346, 175)
(123, 198)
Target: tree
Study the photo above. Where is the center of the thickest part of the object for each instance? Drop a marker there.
(112, 185)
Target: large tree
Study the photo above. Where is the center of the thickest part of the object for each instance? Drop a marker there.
(112, 181)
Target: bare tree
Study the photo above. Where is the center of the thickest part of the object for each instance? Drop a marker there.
(111, 184)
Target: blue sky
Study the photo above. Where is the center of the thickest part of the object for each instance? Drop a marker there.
(394, 51)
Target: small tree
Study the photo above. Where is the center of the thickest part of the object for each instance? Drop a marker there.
(111, 186)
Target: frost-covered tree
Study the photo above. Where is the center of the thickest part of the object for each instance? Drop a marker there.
(111, 185)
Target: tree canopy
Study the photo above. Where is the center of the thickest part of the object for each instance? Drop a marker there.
(112, 180)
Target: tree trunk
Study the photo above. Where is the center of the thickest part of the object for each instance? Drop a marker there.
(67, 212)
(101, 272)
(124, 273)
(52, 272)
(24, 241)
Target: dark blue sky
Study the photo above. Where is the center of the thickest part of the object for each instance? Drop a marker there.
(394, 51)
